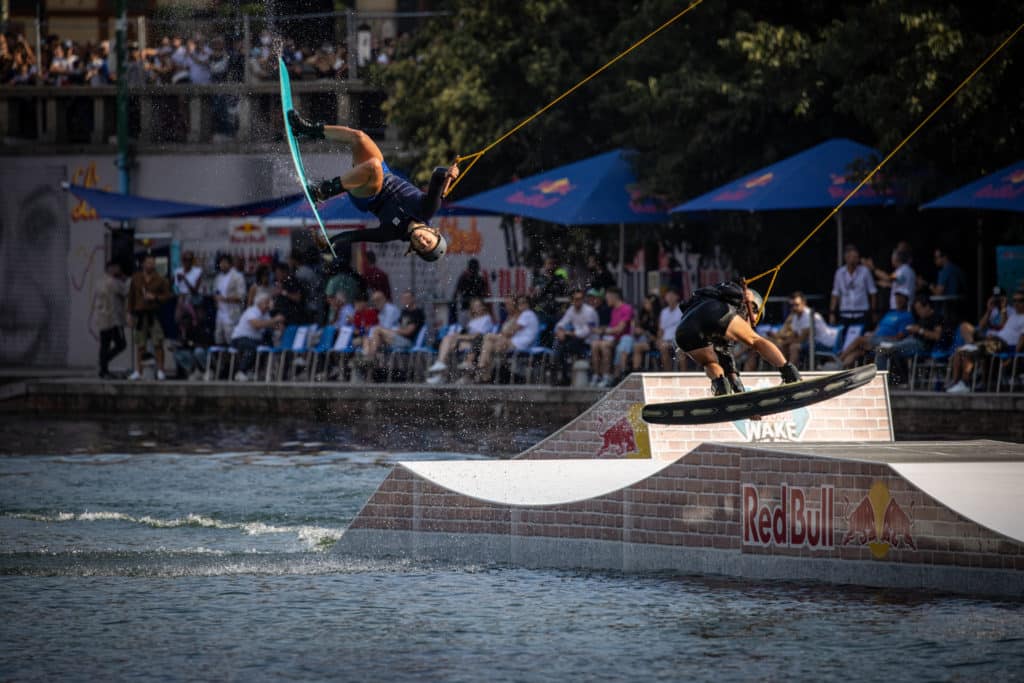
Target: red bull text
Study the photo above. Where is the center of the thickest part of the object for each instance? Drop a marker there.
(791, 523)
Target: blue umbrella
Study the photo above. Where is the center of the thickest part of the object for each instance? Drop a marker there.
(999, 191)
(816, 178)
(599, 190)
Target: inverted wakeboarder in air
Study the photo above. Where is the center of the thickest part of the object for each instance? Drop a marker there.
(715, 318)
(403, 209)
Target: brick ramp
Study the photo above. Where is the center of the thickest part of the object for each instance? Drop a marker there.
(837, 513)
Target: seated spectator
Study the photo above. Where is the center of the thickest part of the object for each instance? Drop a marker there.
(927, 330)
(1009, 337)
(573, 334)
(410, 322)
(612, 340)
(518, 333)
(891, 328)
(645, 332)
(793, 338)
(595, 299)
(190, 349)
(341, 311)
(470, 285)
(260, 285)
(480, 324)
(995, 316)
(248, 334)
(364, 320)
(387, 312)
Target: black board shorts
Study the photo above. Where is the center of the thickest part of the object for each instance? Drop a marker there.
(704, 324)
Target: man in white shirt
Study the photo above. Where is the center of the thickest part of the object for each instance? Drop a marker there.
(248, 333)
(518, 333)
(572, 335)
(668, 321)
(387, 313)
(853, 291)
(800, 324)
(229, 292)
(902, 278)
(1009, 337)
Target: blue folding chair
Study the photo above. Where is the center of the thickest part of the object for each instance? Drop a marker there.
(323, 345)
(407, 355)
(270, 352)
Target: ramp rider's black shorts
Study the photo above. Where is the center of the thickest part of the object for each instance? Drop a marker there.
(704, 324)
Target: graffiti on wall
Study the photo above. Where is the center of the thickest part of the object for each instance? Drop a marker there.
(33, 268)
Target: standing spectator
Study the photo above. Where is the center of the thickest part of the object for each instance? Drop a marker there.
(309, 274)
(229, 293)
(248, 334)
(598, 276)
(572, 335)
(198, 61)
(376, 279)
(109, 306)
(518, 333)
(611, 342)
(853, 291)
(404, 336)
(668, 321)
(386, 311)
(901, 279)
(187, 279)
(470, 285)
(147, 291)
(950, 282)
(1009, 337)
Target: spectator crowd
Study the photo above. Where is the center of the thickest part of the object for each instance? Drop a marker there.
(326, 321)
(176, 60)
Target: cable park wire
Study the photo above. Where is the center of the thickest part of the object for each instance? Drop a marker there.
(475, 156)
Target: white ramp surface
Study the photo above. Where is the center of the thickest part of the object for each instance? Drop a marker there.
(987, 493)
(535, 482)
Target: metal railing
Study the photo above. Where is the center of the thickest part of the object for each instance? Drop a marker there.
(224, 113)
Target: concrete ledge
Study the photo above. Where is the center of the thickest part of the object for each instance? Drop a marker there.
(562, 553)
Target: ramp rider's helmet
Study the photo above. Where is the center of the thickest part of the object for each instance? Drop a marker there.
(756, 302)
(433, 254)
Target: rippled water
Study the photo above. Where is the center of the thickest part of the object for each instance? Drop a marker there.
(219, 566)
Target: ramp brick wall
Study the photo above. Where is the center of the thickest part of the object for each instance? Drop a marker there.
(612, 427)
(699, 502)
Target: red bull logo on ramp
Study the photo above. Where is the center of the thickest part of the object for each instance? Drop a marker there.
(878, 522)
(790, 523)
(626, 437)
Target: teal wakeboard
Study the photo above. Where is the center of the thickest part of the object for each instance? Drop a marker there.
(752, 404)
(293, 145)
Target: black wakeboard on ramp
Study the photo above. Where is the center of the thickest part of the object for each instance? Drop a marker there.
(752, 404)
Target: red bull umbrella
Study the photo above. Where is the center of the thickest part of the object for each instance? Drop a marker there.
(596, 191)
(999, 191)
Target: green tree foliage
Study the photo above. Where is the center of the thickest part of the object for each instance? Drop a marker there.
(721, 92)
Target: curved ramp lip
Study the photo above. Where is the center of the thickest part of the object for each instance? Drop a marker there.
(983, 492)
(530, 483)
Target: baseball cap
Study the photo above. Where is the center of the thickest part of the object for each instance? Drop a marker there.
(595, 292)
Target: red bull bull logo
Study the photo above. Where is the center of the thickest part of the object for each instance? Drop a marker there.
(792, 522)
(627, 437)
(547, 193)
(748, 188)
(1011, 187)
(878, 522)
(247, 233)
(759, 181)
